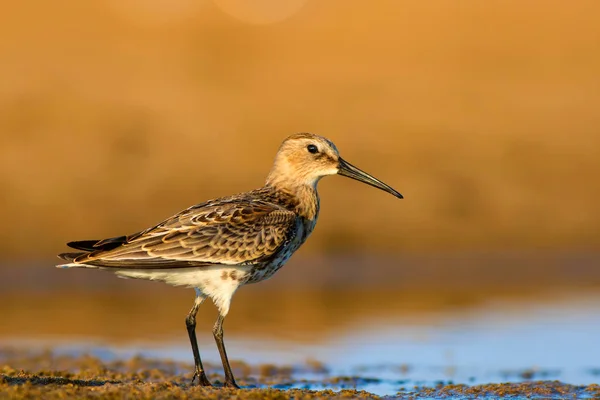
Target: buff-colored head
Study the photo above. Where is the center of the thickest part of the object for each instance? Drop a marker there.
(304, 158)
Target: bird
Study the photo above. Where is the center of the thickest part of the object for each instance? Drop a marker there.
(218, 246)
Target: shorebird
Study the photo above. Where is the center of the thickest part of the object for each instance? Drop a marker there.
(219, 245)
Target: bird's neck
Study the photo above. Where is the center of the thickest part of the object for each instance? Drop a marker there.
(302, 199)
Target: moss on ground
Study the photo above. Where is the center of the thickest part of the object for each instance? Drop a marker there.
(50, 376)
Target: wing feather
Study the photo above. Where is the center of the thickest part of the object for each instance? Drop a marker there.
(226, 232)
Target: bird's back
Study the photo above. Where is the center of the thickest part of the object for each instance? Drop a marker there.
(261, 228)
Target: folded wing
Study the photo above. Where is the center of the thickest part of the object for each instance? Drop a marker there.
(228, 232)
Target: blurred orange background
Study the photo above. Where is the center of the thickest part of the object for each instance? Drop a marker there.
(117, 114)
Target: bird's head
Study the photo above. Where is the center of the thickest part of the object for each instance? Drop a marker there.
(304, 158)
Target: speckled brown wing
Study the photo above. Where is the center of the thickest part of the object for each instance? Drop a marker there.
(226, 232)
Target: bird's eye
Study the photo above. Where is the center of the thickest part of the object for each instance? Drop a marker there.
(312, 149)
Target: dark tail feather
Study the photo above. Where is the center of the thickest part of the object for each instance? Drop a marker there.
(93, 245)
(87, 245)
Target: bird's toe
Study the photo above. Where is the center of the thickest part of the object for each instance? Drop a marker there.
(231, 384)
(202, 379)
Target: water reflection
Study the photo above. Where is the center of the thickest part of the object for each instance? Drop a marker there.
(495, 344)
(395, 323)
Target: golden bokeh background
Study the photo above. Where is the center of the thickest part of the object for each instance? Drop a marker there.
(117, 114)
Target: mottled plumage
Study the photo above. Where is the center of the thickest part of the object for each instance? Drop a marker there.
(219, 245)
(243, 229)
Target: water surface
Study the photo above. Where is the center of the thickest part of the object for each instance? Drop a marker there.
(497, 343)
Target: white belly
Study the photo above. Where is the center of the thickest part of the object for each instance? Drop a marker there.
(218, 282)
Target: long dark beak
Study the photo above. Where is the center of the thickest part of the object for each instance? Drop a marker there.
(349, 170)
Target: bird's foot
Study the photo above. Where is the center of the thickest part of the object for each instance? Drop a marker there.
(202, 379)
(230, 383)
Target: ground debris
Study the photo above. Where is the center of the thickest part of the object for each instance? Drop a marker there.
(50, 376)
(529, 390)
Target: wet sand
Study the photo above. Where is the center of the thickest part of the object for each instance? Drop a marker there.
(28, 375)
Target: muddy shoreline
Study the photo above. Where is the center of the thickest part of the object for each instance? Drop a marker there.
(25, 375)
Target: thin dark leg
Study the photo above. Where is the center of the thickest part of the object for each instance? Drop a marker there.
(218, 333)
(190, 323)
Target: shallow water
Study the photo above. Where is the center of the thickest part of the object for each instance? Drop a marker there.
(497, 343)
(385, 325)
